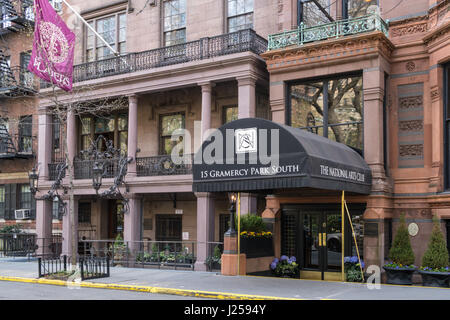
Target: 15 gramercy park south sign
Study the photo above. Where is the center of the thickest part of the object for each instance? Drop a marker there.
(257, 154)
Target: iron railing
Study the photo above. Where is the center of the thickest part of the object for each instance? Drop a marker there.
(17, 244)
(235, 42)
(144, 254)
(336, 29)
(17, 80)
(15, 14)
(50, 266)
(163, 165)
(214, 258)
(94, 267)
(83, 168)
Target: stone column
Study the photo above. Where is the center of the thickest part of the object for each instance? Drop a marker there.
(132, 223)
(44, 143)
(246, 97)
(72, 136)
(43, 226)
(206, 107)
(132, 133)
(68, 231)
(205, 228)
(249, 203)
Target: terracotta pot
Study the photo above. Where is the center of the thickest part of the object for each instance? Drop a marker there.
(401, 276)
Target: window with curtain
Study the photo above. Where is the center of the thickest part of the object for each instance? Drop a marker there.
(240, 15)
(113, 29)
(174, 23)
(230, 113)
(332, 108)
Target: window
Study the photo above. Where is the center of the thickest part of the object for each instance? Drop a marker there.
(168, 227)
(26, 77)
(25, 198)
(112, 127)
(316, 12)
(332, 108)
(5, 71)
(174, 22)
(168, 124)
(447, 126)
(25, 134)
(230, 113)
(56, 4)
(113, 29)
(240, 15)
(27, 9)
(57, 137)
(55, 209)
(84, 212)
(6, 23)
(2, 202)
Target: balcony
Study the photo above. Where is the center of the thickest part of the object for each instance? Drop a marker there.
(333, 30)
(15, 15)
(236, 42)
(146, 167)
(8, 143)
(17, 81)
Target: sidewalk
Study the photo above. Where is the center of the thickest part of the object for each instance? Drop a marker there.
(213, 285)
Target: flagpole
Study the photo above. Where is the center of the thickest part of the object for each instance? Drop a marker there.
(90, 28)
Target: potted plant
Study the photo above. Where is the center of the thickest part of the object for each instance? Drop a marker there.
(401, 269)
(435, 267)
(119, 250)
(255, 240)
(352, 269)
(214, 262)
(285, 267)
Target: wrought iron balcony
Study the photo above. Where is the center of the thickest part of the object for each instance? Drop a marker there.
(15, 146)
(336, 29)
(15, 15)
(163, 166)
(83, 168)
(17, 81)
(240, 41)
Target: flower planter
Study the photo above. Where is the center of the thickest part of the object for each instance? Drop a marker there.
(435, 279)
(401, 276)
(257, 247)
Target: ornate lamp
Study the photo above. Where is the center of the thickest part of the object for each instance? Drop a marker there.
(233, 197)
(33, 175)
(97, 176)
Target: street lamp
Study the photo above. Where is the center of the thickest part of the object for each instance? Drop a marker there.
(233, 197)
(33, 175)
(97, 175)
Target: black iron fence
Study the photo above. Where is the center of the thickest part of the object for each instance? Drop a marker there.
(163, 165)
(83, 168)
(50, 266)
(235, 42)
(17, 244)
(94, 267)
(214, 258)
(156, 254)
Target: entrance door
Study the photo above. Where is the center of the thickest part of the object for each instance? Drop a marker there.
(313, 235)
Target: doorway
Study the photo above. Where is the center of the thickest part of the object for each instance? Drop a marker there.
(313, 234)
(115, 219)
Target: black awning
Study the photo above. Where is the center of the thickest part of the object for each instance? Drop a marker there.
(246, 160)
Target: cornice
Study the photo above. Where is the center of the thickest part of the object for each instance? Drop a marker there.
(365, 45)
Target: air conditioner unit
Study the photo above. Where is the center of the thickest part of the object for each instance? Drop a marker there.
(22, 214)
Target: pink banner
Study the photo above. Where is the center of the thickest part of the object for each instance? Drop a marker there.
(53, 47)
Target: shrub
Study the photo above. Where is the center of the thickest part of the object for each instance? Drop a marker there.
(16, 228)
(252, 223)
(352, 269)
(285, 267)
(436, 255)
(401, 252)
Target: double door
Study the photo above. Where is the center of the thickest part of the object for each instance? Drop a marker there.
(313, 234)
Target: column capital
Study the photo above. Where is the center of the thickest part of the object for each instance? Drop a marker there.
(247, 80)
(206, 85)
(133, 98)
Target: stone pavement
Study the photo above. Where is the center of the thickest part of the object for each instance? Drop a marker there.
(240, 287)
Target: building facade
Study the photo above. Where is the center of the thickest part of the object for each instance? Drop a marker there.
(366, 74)
(19, 119)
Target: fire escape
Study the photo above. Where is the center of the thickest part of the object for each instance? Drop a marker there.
(15, 15)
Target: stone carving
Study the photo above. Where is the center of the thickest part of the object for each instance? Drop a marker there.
(408, 30)
(411, 125)
(435, 94)
(410, 66)
(411, 150)
(411, 102)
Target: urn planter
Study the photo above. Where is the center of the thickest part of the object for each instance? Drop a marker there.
(435, 279)
(401, 276)
(257, 247)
